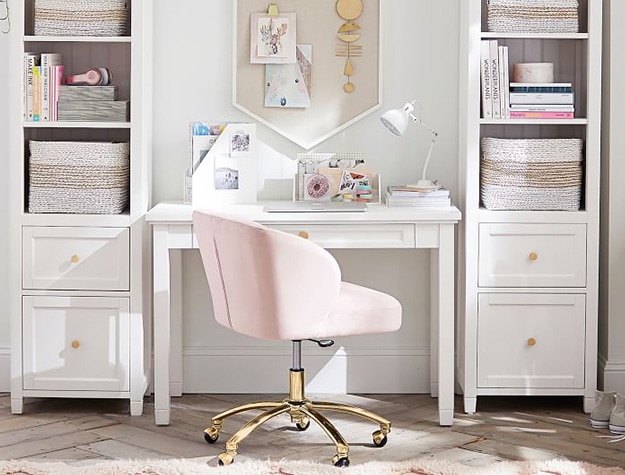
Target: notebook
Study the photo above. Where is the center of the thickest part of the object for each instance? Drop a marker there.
(315, 207)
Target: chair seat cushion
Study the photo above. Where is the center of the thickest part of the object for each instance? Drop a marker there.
(361, 310)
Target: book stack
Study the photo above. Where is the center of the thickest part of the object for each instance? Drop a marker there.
(411, 196)
(43, 74)
(91, 103)
(495, 80)
(542, 100)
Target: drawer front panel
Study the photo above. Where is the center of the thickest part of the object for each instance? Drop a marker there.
(532, 255)
(531, 340)
(76, 258)
(76, 343)
(350, 236)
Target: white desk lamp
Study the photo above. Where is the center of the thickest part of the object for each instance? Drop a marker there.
(396, 120)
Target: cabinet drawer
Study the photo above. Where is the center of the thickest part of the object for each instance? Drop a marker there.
(76, 258)
(531, 340)
(76, 343)
(532, 255)
(365, 236)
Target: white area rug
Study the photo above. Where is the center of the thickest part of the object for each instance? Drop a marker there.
(422, 466)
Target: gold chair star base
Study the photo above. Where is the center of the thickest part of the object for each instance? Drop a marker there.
(301, 411)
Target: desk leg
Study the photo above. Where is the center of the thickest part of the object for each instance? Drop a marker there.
(162, 324)
(175, 300)
(443, 322)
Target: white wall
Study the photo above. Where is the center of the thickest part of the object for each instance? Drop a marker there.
(192, 81)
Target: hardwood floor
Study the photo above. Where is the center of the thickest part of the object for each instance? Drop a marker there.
(526, 428)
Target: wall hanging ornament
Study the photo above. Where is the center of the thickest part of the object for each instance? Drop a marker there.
(349, 10)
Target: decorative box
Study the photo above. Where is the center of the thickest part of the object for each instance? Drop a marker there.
(78, 177)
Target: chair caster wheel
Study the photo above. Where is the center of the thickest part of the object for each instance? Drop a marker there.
(303, 425)
(342, 462)
(225, 459)
(379, 438)
(211, 438)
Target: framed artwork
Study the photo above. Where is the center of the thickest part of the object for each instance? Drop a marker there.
(272, 38)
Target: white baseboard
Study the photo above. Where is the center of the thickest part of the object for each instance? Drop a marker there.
(330, 371)
(612, 375)
(5, 369)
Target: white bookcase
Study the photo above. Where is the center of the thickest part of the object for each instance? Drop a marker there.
(528, 280)
(79, 293)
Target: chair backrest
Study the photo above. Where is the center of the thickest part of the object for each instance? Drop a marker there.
(263, 282)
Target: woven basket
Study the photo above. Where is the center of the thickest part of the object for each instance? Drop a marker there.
(78, 177)
(531, 174)
(533, 16)
(81, 17)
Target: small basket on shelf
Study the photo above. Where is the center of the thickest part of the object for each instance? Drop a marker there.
(78, 177)
(533, 16)
(81, 17)
(531, 174)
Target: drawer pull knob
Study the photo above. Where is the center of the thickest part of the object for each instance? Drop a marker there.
(74, 259)
(75, 344)
(533, 256)
(531, 341)
(303, 234)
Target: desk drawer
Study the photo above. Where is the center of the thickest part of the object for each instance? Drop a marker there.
(531, 340)
(76, 258)
(532, 255)
(353, 236)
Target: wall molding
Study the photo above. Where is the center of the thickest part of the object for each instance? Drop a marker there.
(611, 374)
(334, 370)
(5, 369)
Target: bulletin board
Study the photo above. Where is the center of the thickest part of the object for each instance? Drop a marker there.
(330, 108)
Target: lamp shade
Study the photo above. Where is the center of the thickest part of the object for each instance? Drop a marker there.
(395, 120)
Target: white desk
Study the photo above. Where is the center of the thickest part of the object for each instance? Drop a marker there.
(377, 228)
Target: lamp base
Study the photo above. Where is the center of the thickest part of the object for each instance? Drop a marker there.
(425, 185)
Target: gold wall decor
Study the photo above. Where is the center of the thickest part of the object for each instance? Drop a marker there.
(348, 33)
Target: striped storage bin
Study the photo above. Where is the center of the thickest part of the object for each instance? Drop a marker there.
(533, 16)
(81, 17)
(531, 174)
(78, 177)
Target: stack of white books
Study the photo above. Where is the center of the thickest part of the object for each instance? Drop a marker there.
(406, 195)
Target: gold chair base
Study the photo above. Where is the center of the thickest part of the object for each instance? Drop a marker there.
(301, 411)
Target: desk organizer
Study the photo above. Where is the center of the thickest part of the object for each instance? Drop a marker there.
(533, 16)
(531, 174)
(78, 177)
(81, 17)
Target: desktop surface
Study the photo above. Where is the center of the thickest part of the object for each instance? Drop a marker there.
(315, 207)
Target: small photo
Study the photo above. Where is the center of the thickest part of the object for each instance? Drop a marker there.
(240, 143)
(226, 178)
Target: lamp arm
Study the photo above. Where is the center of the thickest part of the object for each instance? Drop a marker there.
(429, 155)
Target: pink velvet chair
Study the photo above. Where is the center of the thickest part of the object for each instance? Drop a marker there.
(277, 286)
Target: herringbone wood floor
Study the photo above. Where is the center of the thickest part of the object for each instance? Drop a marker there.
(504, 428)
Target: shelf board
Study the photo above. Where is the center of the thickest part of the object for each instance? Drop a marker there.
(534, 121)
(55, 219)
(77, 39)
(535, 36)
(77, 125)
(490, 216)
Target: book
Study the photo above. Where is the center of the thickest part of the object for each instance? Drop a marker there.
(47, 61)
(435, 201)
(542, 98)
(505, 85)
(36, 80)
(543, 107)
(541, 115)
(494, 79)
(487, 101)
(541, 87)
(412, 192)
(31, 60)
(56, 79)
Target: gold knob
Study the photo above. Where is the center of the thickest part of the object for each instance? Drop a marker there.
(75, 344)
(303, 234)
(533, 256)
(74, 259)
(531, 341)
